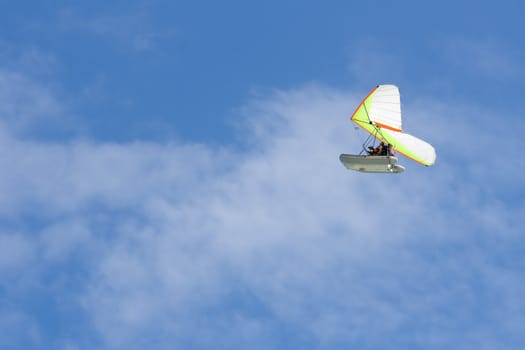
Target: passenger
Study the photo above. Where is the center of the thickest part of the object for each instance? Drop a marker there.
(375, 151)
(390, 150)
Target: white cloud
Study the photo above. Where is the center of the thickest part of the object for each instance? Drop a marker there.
(278, 242)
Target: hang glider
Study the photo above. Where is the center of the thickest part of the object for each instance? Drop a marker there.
(380, 114)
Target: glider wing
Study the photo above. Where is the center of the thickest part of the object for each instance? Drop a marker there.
(380, 114)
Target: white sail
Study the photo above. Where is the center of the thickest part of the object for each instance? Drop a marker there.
(410, 146)
(385, 110)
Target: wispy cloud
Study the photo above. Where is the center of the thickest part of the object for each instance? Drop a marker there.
(487, 58)
(129, 30)
(30, 61)
(469, 68)
(25, 104)
(373, 62)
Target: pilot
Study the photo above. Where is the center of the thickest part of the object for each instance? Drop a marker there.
(379, 150)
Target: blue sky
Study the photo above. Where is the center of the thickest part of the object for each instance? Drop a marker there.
(170, 176)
